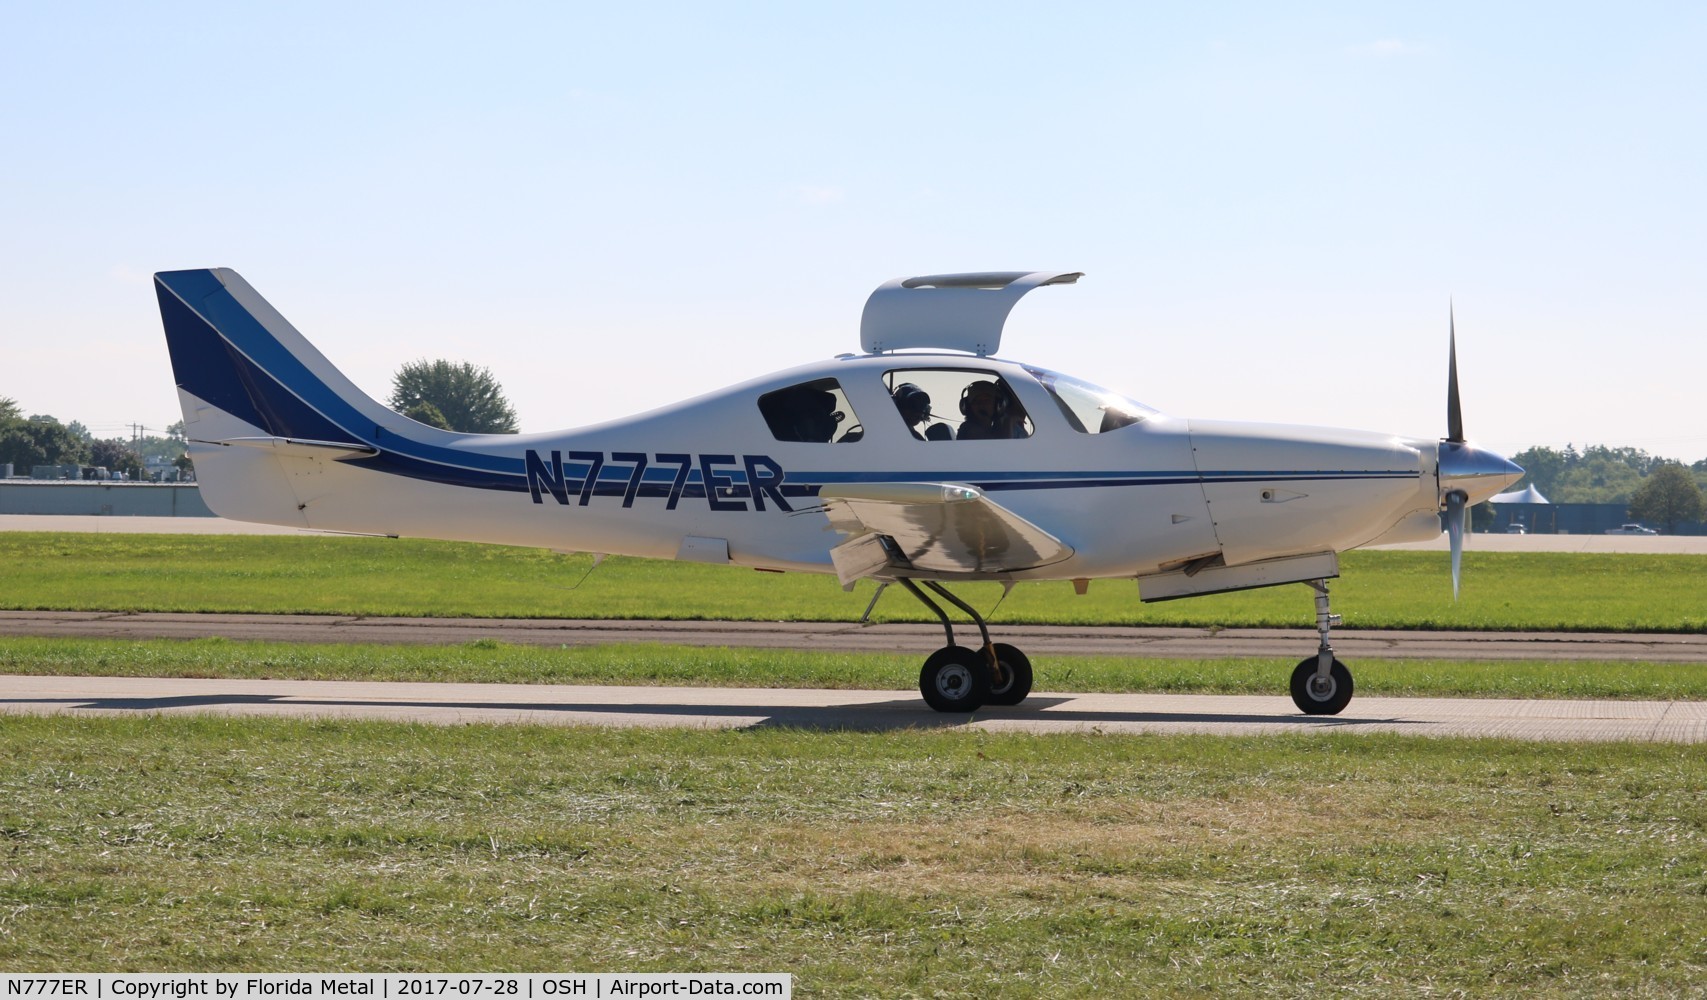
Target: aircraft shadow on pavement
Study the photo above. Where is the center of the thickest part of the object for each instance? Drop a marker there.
(880, 716)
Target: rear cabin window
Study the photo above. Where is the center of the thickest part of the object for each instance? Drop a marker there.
(815, 411)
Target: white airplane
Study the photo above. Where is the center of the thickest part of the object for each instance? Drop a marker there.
(923, 461)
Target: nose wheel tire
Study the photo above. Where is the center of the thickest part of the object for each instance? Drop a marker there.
(1316, 695)
(955, 679)
(1013, 676)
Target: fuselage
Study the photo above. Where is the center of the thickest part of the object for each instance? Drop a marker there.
(1153, 493)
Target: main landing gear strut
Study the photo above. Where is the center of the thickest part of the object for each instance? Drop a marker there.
(1321, 685)
(958, 679)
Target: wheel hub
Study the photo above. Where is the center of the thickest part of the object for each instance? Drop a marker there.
(953, 680)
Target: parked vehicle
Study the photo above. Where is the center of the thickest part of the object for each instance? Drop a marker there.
(1631, 529)
(1516, 529)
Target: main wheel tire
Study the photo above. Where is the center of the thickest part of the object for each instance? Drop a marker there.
(1315, 696)
(955, 679)
(1013, 681)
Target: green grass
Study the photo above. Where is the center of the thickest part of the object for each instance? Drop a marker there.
(385, 577)
(902, 864)
(487, 661)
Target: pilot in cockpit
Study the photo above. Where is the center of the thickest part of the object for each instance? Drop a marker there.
(991, 412)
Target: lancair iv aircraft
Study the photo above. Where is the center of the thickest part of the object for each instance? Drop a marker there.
(923, 462)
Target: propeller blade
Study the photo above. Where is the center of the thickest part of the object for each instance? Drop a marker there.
(1455, 511)
(1454, 414)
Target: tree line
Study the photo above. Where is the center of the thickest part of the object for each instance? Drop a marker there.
(1596, 474)
(40, 439)
(1660, 490)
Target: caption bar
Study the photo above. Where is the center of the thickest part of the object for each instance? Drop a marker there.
(389, 986)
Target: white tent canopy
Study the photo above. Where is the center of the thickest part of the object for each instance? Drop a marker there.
(1529, 494)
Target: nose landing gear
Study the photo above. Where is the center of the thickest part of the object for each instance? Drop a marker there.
(1321, 684)
(958, 679)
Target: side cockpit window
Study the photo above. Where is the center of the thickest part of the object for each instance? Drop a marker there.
(980, 405)
(815, 411)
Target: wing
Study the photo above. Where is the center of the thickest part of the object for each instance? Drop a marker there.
(931, 529)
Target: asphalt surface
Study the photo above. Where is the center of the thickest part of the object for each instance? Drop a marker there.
(867, 711)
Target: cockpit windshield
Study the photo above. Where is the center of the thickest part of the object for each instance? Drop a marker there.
(1091, 409)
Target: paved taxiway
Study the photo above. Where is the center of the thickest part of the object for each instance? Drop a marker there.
(868, 711)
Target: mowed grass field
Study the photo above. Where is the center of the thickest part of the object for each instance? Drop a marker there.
(374, 576)
(905, 864)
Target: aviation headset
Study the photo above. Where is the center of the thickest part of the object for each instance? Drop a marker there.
(982, 385)
(908, 394)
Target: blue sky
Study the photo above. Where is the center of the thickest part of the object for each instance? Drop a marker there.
(613, 207)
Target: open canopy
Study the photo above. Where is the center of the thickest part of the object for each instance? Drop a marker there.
(955, 312)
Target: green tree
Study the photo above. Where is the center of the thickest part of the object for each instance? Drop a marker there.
(1542, 468)
(9, 410)
(40, 440)
(1603, 475)
(1597, 474)
(426, 413)
(1668, 496)
(467, 397)
(116, 455)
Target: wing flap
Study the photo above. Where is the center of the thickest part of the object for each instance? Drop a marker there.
(931, 529)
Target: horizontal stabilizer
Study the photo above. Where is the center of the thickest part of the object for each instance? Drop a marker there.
(300, 447)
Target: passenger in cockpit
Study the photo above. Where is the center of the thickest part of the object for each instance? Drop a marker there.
(915, 406)
(991, 412)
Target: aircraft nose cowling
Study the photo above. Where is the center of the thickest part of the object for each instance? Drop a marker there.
(1274, 490)
(1477, 472)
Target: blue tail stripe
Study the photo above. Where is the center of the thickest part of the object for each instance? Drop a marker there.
(437, 472)
(288, 384)
(208, 366)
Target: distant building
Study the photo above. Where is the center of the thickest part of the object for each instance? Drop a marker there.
(1572, 518)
